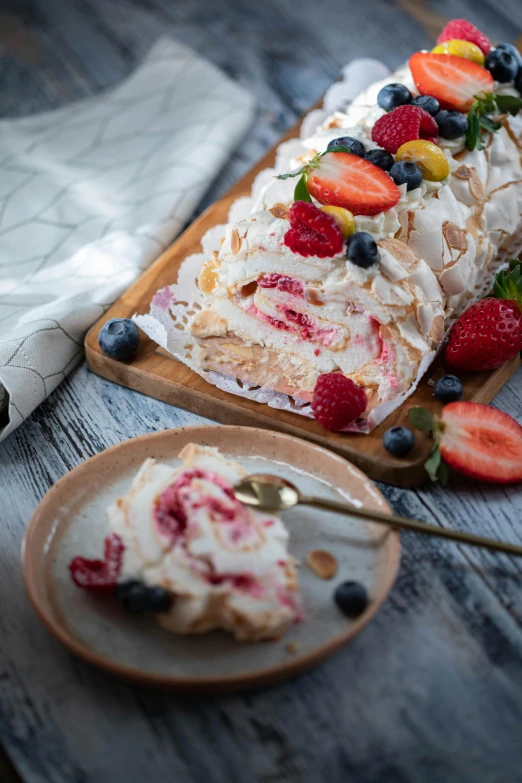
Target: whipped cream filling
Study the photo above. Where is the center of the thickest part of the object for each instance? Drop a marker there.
(227, 565)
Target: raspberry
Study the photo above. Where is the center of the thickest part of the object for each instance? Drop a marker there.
(462, 30)
(405, 123)
(312, 232)
(99, 576)
(337, 401)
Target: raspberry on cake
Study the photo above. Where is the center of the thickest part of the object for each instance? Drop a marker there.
(191, 554)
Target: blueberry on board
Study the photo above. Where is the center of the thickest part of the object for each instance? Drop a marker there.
(119, 338)
(393, 95)
(138, 598)
(362, 249)
(381, 158)
(502, 65)
(451, 124)
(406, 172)
(355, 146)
(428, 103)
(509, 47)
(449, 388)
(398, 441)
(351, 598)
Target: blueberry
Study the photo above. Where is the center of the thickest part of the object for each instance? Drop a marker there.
(398, 441)
(448, 389)
(362, 249)
(508, 47)
(502, 65)
(351, 598)
(384, 160)
(451, 124)
(137, 597)
(119, 338)
(355, 146)
(406, 172)
(428, 103)
(393, 95)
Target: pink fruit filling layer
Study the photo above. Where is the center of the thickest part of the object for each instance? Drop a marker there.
(282, 283)
(298, 323)
(175, 515)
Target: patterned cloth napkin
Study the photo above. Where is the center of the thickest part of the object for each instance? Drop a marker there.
(89, 197)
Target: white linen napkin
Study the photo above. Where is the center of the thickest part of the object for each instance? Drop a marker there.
(89, 197)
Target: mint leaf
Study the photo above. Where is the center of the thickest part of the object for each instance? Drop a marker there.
(489, 124)
(443, 473)
(340, 148)
(421, 419)
(509, 103)
(432, 464)
(473, 131)
(301, 191)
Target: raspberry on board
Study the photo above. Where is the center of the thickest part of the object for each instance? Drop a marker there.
(337, 401)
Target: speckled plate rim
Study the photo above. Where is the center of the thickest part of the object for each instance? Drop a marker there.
(33, 559)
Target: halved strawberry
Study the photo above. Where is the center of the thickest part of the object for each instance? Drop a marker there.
(452, 80)
(481, 442)
(345, 180)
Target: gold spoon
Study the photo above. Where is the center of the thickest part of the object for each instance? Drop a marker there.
(272, 493)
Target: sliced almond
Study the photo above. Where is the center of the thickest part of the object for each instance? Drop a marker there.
(437, 328)
(463, 172)
(207, 277)
(454, 236)
(279, 211)
(476, 186)
(437, 375)
(235, 242)
(399, 250)
(322, 563)
(207, 323)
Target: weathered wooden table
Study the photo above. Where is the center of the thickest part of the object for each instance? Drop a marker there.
(432, 690)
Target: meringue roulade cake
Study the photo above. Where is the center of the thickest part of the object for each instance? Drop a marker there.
(223, 565)
(389, 220)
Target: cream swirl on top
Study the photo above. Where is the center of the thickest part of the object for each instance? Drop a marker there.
(226, 565)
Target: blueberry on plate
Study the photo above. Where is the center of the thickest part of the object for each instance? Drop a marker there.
(381, 158)
(451, 124)
(351, 598)
(362, 249)
(355, 146)
(138, 598)
(398, 441)
(393, 95)
(428, 103)
(119, 338)
(502, 65)
(449, 388)
(509, 47)
(406, 172)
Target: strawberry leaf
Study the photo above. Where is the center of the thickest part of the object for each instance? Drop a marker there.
(473, 131)
(297, 173)
(301, 191)
(508, 284)
(433, 462)
(488, 124)
(421, 419)
(443, 473)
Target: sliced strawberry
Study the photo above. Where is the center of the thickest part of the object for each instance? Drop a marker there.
(344, 180)
(453, 81)
(481, 442)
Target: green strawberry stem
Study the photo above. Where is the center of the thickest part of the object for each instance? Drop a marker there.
(487, 103)
(508, 283)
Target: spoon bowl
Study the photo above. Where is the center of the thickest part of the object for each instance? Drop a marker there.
(269, 493)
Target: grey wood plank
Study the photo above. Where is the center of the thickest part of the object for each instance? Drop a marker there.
(432, 690)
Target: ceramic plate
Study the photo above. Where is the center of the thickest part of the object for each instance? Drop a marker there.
(72, 520)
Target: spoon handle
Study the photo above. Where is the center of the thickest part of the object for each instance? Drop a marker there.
(412, 524)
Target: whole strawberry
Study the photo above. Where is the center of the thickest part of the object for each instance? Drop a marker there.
(337, 401)
(489, 332)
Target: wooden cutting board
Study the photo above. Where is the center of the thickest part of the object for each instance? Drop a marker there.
(166, 379)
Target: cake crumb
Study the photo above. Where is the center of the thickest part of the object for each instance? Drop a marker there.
(292, 647)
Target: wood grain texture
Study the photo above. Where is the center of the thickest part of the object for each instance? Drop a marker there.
(431, 692)
(151, 372)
